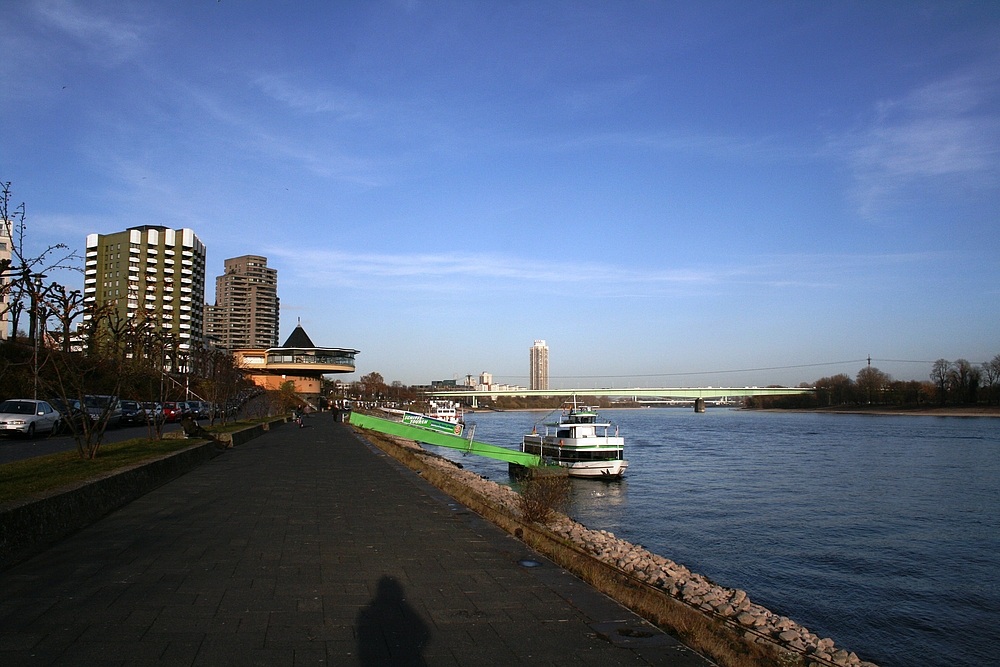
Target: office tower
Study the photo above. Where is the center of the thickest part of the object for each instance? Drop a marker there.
(539, 376)
(245, 314)
(150, 273)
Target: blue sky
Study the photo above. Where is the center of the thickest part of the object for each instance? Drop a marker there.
(658, 190)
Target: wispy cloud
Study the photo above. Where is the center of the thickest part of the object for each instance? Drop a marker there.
(946, 132)
(326, 159)
(343, 103)
(112, 39)
(452, 273)
(693, 143)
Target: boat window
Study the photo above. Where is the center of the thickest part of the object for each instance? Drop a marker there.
(563, 433)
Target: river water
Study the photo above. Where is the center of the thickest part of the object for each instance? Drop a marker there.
(882, 532)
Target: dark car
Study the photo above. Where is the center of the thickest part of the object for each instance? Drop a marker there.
(200, 409)
(132, 412)
(69, 414)
(104, 407)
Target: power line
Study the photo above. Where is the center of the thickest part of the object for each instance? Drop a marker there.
(903, 361)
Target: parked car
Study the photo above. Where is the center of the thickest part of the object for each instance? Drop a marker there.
(200, 409)
(152, 412)
(27, 417)
(104, 407)
(173, 410)
(132, 412)
(68, 414)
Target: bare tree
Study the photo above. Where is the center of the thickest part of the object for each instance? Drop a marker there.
(991, 377)
(873, 382)
(26, 271)
(221, 381)
(963, 380)
(67, 305)
(940, 377)
(73, 376)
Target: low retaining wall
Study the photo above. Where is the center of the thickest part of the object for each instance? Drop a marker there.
(247, 434)
(31, 524)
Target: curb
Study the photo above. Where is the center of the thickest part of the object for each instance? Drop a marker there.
(29, 525)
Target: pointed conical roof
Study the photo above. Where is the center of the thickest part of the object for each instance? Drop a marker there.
(299, 339)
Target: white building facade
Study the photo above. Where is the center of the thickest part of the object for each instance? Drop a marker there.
(539, 372)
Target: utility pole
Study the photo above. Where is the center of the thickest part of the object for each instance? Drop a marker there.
(869, 379)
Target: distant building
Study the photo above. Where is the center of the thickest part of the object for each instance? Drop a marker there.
(486, 378)
(539, 373)
(6, 245)
(153, 273)
(299, 360)
(246, 310)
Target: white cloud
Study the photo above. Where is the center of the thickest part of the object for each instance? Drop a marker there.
(453, 273)
(942, 134)
(342, 103)
(115, 39)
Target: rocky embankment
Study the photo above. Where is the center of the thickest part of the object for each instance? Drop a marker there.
(730, 605)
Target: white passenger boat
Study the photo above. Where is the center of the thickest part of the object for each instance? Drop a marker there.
(445, 411)
(580, 443)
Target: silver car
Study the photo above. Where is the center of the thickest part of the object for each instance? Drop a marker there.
(28, 417)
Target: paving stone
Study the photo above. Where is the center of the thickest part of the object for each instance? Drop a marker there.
(304, 547)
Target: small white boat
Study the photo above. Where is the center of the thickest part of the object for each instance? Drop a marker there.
(580, 443)
(445, 411)
(442, 417)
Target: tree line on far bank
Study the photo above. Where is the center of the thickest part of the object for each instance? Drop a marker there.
(955, 383)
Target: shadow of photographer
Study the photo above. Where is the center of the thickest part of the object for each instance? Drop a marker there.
(389, 631)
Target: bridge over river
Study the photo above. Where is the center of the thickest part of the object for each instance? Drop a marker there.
(697, 394)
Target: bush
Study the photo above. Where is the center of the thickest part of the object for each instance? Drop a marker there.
(543, 492)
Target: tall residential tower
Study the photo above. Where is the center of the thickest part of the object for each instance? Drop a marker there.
(149, 272)
(539, 376)
(245, 314)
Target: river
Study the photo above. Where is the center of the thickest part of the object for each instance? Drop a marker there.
(882, 532)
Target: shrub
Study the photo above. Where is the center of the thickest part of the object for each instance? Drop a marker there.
(543, 491)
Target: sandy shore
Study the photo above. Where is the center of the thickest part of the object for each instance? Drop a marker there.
(992, 411)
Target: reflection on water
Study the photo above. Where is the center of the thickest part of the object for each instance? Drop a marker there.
(594, 496)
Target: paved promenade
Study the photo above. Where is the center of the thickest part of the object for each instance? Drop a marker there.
(308, 547)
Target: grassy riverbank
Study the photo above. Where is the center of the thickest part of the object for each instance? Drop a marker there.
(43, 473)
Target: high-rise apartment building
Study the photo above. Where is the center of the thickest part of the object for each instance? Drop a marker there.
(539, 376)
(149, 272)
(245, 314)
